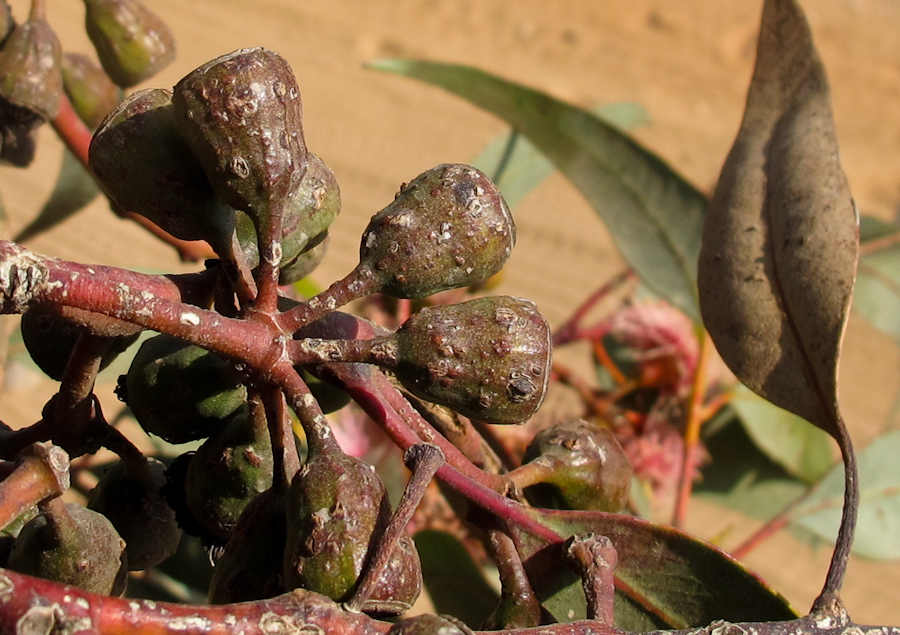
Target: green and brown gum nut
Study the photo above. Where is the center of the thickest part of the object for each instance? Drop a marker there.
(241, 115)
(448, 228)
(181, 392)
(229, 470)
(73, 545)
(89, 88)
(306, 261)
(428, 624)
(250, 567)
(488, 358)
(143, 164)
(132, 42)
(580, 465)
(306, 217)
(50, 339)
(335, 504)
(128, 494)
(30, 75)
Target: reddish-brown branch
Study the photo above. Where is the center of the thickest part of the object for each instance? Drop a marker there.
(570, 331)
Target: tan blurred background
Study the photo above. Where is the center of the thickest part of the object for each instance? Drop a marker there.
(687, 61)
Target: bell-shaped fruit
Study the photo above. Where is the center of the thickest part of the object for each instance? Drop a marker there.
(575, 465)
(30, 88)
(30, 75)
(73, 545)
(229, 470)
(89, 88)
(128, 494)
(132, 42)
(488, 358)
(241, 115)
(182, 392)
(251, 566)
(336, 506)
(448, 228)
(49, 340)
(144, 165)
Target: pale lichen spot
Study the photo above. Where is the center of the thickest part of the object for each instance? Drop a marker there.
(189, 319)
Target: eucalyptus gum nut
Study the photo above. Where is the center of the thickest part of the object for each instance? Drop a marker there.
(143, 164)
(401, 583)
(250, 567)
(89, 88)
(488, 358)
(305, 262)
(129, 496)
(448, 228)
(427, 624)
(182, 392)
(30, 76)
(229, 470)
(81, 550)
(335, 505)
(50, 339)
(241, 115)
(132, 42)
(583, 465)
(307, 215)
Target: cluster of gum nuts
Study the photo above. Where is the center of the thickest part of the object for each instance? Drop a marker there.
(222, 158)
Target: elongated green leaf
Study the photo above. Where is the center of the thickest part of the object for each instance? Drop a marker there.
(664, 578)
(742, 477)
(780, 242)
(524, 167)
(454, 582)
(654, 215)
(878, 529)
(877, 293)
(75, 188)
(802, 449)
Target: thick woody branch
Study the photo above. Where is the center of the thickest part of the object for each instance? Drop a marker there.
(30, 606)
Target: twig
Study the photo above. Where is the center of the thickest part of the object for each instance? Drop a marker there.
(692, 434)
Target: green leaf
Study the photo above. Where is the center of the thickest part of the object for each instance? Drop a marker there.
(665, 578)
(654, 214)
(524, 166)
(742, 477)
(877, 293)
(75, 188)
(454, 582)
(878, 527)
(799, 447)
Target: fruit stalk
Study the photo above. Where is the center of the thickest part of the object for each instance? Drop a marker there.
(42, 472)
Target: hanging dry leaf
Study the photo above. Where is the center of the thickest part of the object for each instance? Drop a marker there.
(780, 242)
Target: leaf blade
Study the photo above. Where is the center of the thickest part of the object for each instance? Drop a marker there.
(780, 242)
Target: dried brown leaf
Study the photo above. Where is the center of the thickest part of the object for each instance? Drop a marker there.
(780, 243)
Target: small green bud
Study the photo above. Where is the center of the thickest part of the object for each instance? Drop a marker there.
(92, 93)
(576, 465)
(132, 42)
(181, 392)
